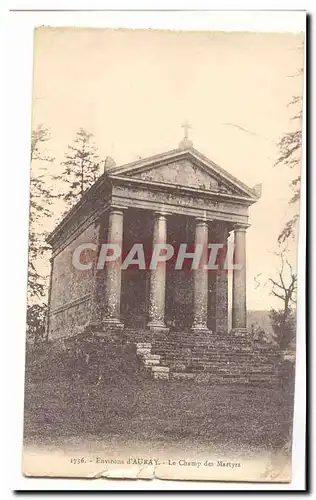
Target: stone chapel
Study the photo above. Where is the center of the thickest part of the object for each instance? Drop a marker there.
(176, 196)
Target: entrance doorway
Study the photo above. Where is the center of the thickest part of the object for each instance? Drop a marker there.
(179, 282)
(135, 281)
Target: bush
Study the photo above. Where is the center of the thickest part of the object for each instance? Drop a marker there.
(90, 360)
(284, 327)
(36, 321)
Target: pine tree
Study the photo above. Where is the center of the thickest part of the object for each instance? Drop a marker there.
(82, 167)
(40, 201)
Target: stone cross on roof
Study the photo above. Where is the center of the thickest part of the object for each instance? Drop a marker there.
(186, 143)
(186, 127)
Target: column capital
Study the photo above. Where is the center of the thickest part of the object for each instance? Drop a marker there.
(241, 226)
(202, 221)
(117, 209)
(160, 214)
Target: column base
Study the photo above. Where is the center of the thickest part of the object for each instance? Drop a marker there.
(112, 323)
(157, 326)
(200, 327)
(240, 332)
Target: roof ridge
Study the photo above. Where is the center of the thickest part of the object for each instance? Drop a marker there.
(144, 160)
(121, 169)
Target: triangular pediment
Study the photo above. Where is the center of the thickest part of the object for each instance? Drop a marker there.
(187, 168)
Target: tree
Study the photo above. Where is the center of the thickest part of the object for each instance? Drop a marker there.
(290, 156)
(82, 166)
(284, 288)
(40, 201)
(36, 322)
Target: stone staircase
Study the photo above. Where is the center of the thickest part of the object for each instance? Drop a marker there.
(216, 359)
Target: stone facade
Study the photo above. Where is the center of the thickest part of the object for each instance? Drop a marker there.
(179, 196)
(71, 290)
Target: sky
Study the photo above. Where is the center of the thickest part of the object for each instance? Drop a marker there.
(133, 89)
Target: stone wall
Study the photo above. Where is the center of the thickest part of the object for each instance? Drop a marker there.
(71, 290)
(70, 319)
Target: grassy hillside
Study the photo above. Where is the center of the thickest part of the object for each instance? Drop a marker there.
(128, 403)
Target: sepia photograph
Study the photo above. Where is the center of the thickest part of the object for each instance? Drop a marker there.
(162, 267)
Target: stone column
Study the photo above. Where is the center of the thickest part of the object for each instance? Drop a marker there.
(239, 310)
(157, 289)
(200, 292)
(113, 272)
(221, 308)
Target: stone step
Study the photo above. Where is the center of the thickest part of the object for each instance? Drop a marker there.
(151, 362)
(220, 379)
(262, 368)
(165, 369)
(217, 358)
(143, 350)
(212, 360)
(197, 352)
(182, 376)
(151, 356)
(178, 366)
(210, 345)
(227, 368)
(215, 355)
(221, 360)
(249, 370)
(161, 375)
(145, 345)
(234, 379)
(241, 361)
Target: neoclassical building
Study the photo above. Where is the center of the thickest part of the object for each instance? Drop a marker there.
(174, 197)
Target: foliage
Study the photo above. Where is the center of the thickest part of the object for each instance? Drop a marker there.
(40, 201)
(290, 146)
(81, 167)
(284, 326)
(289, 229)
(81, 170)
(36, 321)
(86, 359)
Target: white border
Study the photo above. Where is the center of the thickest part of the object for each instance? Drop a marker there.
(281, 21)
(15, 202)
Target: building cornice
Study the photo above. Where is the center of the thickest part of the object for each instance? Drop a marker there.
(98, 198)
(192, 154)
(189, 191)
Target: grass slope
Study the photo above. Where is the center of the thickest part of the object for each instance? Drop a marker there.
(129, 404)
